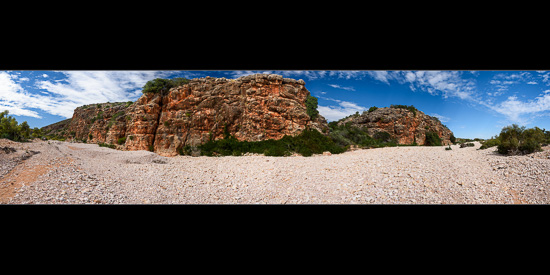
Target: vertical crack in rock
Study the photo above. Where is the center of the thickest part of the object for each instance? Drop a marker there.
(158, 122)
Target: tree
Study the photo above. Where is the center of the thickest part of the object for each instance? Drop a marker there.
(515, 140)
(157, 85)
(36, 132)
(161, 85)
(311, 107)
(10, 129)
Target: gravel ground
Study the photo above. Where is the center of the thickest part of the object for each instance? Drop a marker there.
(75, 173)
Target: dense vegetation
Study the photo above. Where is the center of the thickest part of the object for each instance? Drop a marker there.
(410, 108)
(306, 143)
(432, 139)
(161, 85)
(11, 129)
(515, 140)
(346, 135)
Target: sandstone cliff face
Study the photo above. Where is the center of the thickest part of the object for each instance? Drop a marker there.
(402, 124)
(252, 108)
(99, 122)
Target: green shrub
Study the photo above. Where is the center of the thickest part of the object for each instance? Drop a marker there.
(346, 135)
(515, 140)
(311, 107)
(373, 108)
(466, 144)
(452, 138)
(102, 144)
(121, 140)
(490, 143)
(432, 139)
(157, 85)
(179, 81)
(161, 85)
(382, 136)
(306, 143)
(410, 108)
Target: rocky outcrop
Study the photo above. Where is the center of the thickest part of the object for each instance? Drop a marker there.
(252, 108)
(404, 125)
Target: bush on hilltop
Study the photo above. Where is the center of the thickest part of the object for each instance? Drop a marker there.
(161, 85)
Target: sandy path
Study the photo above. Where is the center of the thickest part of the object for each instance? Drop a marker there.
(85, 173)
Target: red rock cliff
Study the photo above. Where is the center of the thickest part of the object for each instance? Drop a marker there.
(252, 108)
(402, 124)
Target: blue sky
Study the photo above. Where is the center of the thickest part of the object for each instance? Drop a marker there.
(471, 103)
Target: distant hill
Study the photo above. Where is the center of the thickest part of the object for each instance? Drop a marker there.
(405, 124)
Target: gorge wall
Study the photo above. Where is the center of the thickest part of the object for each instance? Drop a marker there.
(252, 108)
(405, 125)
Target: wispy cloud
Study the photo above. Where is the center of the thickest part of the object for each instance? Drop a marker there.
(503, 81)
(14, 98)
(444, 83)
(516, 110)
(441, 118)
(348, 88)
(77, 88)
(383, 76)
(307, 75)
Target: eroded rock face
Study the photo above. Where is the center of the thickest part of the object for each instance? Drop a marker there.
(252, 108)
(402, 124)
(95, 123)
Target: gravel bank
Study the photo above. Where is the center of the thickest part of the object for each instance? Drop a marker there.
(72, 173)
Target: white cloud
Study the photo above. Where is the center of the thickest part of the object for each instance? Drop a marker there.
(446, 83)
(441, 118)
(86, 87)
(515, 109)
(79, 88)
(348, 74)
(532, 83)
(343, 109)
(18, 111)
(44, 75)
(348, 88)
(13, 98)
(380, 76)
